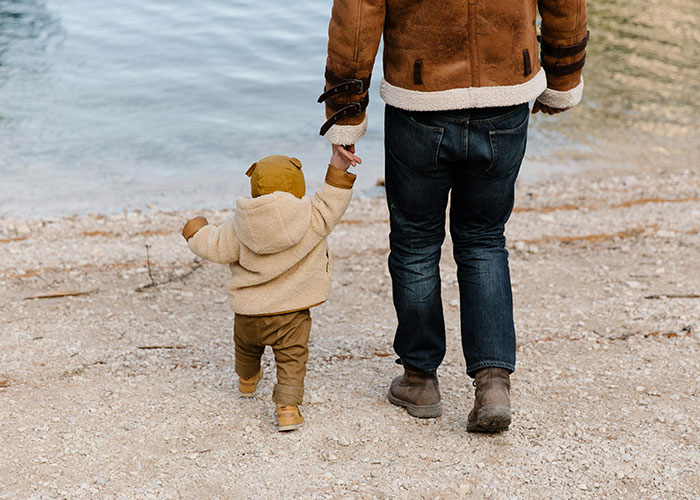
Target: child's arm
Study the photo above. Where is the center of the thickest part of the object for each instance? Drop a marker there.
(215, 243)
(329, 204)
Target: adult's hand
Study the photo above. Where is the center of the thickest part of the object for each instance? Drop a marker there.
(547, 110)
(347, 153)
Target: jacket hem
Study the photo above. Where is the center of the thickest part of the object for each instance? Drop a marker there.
(346, 135)
(562, 99)
(260, 315)
(463, 98)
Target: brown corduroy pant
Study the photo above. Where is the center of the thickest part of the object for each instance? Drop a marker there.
(288, 335)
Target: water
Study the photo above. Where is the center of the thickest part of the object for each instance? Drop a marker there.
(166, 103)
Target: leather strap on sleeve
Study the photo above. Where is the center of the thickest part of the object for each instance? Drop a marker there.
(344, 86)
(563, 70)
(337, 106)
(560, 51)
(350, 109)
(343, 109)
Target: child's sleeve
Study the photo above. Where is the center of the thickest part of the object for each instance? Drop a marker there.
(216, 243)
(329, 204)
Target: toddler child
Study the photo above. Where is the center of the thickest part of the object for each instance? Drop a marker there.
(275, 245)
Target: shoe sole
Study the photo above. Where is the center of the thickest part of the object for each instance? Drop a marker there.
(490, 419)
(418, 411)
(286, 428)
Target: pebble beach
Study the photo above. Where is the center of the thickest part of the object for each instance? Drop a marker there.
(117, 380)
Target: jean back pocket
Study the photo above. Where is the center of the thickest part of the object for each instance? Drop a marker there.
(411, 142)
(508, 147)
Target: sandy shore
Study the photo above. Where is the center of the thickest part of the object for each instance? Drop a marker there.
(121, 391)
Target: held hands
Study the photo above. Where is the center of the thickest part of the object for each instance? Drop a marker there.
(538, 106)
(344, 156)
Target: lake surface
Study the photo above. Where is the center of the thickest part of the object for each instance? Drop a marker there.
(166, 103)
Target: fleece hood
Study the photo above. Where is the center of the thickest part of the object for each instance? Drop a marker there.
(273, 222)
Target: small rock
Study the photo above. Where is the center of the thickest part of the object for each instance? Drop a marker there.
(23, 228)
(663, 233)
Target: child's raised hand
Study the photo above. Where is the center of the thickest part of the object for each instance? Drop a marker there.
(344, 156)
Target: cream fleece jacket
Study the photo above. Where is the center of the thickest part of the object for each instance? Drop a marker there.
(276, 247)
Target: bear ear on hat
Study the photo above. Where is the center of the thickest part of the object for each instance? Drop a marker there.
(295, 162)
(249, 172)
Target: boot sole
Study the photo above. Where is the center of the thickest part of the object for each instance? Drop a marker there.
(418, 411)
(490, 419)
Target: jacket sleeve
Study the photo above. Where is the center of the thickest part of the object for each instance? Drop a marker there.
(353, 39)
(216, 243)
(563, 51)
(329, 204)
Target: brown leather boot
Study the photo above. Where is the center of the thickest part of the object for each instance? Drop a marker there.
(491, 412)
(418, 392)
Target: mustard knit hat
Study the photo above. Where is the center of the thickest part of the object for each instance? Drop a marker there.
(276, 173)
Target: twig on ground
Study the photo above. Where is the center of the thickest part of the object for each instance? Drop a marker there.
(172, 278)
(55, 295)
(686, 332)
(674, 296)
(149, 347)
(148, 264)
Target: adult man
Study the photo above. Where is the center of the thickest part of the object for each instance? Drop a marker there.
(458, 75)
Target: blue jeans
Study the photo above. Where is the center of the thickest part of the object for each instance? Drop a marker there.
(473, 157)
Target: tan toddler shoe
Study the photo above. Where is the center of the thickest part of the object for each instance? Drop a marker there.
(288, 418)
(247, 386)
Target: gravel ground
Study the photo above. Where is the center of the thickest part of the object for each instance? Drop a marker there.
(126, 391)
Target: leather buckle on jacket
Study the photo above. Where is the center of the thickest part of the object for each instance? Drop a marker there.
(349, 110)
(352, 86)
(343, 85)
(337, 106)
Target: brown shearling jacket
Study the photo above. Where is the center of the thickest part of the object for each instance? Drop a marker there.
(451, 54)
